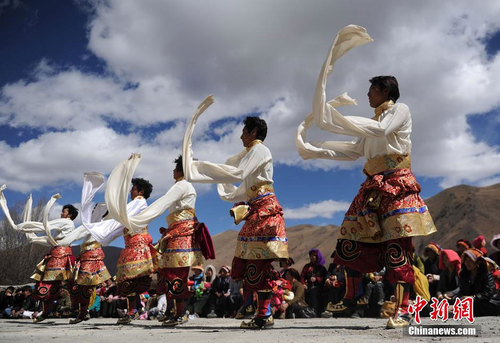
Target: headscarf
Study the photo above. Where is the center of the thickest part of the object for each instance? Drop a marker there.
(214, 273)
(495, 242)
(453, 259)
(319, 257)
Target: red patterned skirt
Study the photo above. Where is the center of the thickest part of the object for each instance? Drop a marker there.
(90, 269)
(388, 206)
(56, 266)
(263, 236)
(136, 260)
(379, 224)
(178, 247)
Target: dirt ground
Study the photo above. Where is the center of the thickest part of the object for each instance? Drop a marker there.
(227, 330)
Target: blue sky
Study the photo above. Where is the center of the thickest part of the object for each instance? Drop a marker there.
(85, 83)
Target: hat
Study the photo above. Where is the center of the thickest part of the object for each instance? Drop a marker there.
(199, 267)
(473, 254)
(434, 247)
(479, 242)
(226, 268)
(465, 243)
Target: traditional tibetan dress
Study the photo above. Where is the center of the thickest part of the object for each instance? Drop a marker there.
(56, 266)
(262, 239)
(135, 264)
(388, 210)
(90, 271)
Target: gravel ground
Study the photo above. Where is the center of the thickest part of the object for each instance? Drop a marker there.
(227, 330)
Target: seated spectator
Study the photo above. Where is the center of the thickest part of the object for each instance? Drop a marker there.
(296, 307)
(374, 293)
(476, 281)
(18, 302)
(313, 277)
(158, 308)
(95, 307)
(234, 298)
(462, 245)
(219, 288)
(109, 300)
(431, 266)
(7, 302)
(198, 302)
(63, 306)
(450, 265)
(334, 287)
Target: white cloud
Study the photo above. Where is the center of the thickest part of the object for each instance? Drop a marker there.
(257, 56)
(322, 209)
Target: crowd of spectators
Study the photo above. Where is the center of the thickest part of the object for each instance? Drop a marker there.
(445, 274)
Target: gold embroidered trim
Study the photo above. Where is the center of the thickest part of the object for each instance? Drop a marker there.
(382, 163)
(177, 216)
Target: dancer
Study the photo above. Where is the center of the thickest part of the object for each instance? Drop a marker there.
(90, 270)
(388, 210)
(135, 264)
(138, 260)
(262, 239)
(57, 265)
(179, 249)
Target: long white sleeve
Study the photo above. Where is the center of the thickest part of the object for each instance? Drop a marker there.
(117, 194)
(80, 233)
(332, 150)
(108, 230)
(387, 135)
(204, 171)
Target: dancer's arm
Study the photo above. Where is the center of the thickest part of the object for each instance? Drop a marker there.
(117, 194)
(331, 150)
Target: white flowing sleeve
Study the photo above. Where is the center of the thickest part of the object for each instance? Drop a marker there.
(92, 183)
(116, 197)
(80, 233)
(204, 171)
(332, 150)
(326, 115)
(5, 208)
(108, 230)
(347, 38)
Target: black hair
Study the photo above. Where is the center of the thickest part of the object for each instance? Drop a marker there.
(387, 82)
(178, 164)
(256, 123)
(143, 185)
(293, 272)
(72, 210)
